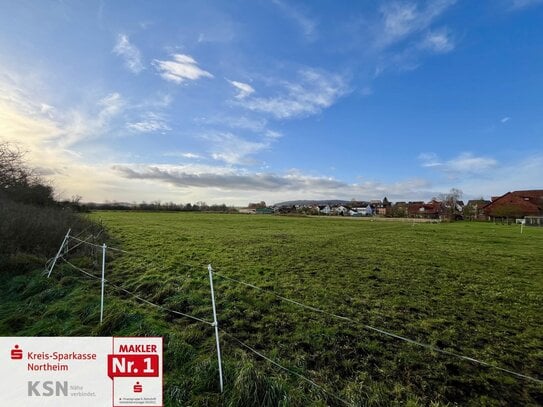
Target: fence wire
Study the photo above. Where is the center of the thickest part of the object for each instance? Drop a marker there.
(239, 341)
(383, 332)
(119, 288)
(139, 255)
(302, 305)
(88, 274)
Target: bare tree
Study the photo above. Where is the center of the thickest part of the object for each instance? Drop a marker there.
(13, 171)
(450, 202)
(19, 182)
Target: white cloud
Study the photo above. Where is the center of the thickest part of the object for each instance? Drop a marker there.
(462, 164)
(151, 122)
(270, 186)
(180, 69)
(518, 174)
(148, 126)
(47, 109)
(191, 155)
(130, 53)
(46, 139)
(400, 20)
(111, 104)
(307, 25)
(404, 34)
(505, 119)
(315, 91)
(522, 4)
(244, 89)
(182, 154)
(82, 124)
(232, 149)
(235, 122)
(273, 134)
(438, 41)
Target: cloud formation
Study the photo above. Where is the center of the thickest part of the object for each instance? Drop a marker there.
(314, 91)
(400, 20)
(233, 179)
(129, 52)
(180, 68)
(244, 89)
(307, 25)
(151, 122)
(232, 149)
(439, 42)
(522, 4)
(462, 164)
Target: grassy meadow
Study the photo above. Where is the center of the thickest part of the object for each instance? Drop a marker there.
(469, 288)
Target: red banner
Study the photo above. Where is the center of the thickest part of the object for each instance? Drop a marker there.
(132, 365)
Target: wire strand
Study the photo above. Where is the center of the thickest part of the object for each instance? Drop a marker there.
(85, 242)
(160, 268)
(314, 309)
(81, 242)
(135, 295)
(384, 332)
(284, 368)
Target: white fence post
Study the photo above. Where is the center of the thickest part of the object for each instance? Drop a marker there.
(103, 280)
(215, 324)
(58, 253)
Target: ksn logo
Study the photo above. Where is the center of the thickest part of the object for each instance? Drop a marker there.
(16, 353)
(138, 388)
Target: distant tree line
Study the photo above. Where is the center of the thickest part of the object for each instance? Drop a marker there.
(158, 206)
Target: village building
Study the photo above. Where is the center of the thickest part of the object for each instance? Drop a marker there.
(516, 204)
(473, 210)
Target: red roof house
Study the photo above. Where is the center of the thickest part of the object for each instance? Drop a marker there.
(516, 204)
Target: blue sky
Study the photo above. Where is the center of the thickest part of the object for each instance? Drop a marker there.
(238, 101)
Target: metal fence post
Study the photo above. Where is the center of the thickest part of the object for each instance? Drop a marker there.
(103, 281)
(215, 324)
(58, 253)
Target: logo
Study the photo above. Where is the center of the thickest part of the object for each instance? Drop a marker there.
(16, 353)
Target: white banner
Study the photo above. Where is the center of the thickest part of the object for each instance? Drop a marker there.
(81, 371)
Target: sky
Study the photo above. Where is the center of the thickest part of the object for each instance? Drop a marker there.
(242, 101)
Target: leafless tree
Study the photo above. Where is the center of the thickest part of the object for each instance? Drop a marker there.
(450, 202)
(19, 182)
(13, 171)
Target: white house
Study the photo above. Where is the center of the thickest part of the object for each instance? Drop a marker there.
(325, 209)
(365, 211)
(341, 210)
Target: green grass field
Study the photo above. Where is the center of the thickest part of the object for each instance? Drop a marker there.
(469, 288)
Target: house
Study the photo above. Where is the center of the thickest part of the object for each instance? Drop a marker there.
(384, 208)
(284, 209)
(341, 210)
(247, 210)
(264, 211)
(364, 210)
(399, 209)
(473, 210)
(325, 209)
(413, 208)
(431, 210)
(516, 204)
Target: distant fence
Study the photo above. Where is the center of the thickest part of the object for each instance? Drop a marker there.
(533, 220)
(64, 250)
